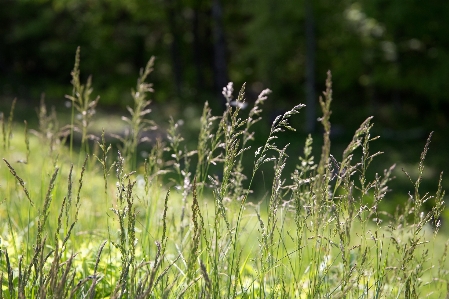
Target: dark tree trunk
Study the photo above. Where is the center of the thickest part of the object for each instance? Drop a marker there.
(310, 67)
(220, 66)
(197, 48)
(172, 13)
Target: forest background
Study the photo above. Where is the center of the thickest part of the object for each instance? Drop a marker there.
(389, 59)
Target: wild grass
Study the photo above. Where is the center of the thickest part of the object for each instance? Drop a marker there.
(95, 224)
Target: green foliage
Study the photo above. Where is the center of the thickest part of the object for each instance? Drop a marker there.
(381, 52)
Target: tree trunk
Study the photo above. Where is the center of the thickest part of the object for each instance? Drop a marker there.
(310, 68)
(220, 66)
(175, 44)
(197, 49)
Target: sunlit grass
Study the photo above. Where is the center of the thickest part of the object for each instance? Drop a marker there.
(92, 223)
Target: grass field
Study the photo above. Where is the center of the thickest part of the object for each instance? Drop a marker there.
(89, 221)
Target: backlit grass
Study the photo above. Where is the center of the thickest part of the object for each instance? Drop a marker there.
(92, 223)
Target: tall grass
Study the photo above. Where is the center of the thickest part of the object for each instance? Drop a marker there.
(70, 229)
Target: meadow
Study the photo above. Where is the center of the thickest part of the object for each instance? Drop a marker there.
(80, 218)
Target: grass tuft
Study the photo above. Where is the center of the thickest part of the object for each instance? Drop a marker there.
(185, 224)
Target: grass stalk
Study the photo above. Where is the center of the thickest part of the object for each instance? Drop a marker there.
(321, 231)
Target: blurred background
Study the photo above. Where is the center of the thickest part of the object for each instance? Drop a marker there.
(389, 59)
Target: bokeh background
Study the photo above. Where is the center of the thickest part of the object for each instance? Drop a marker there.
(389, 59)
